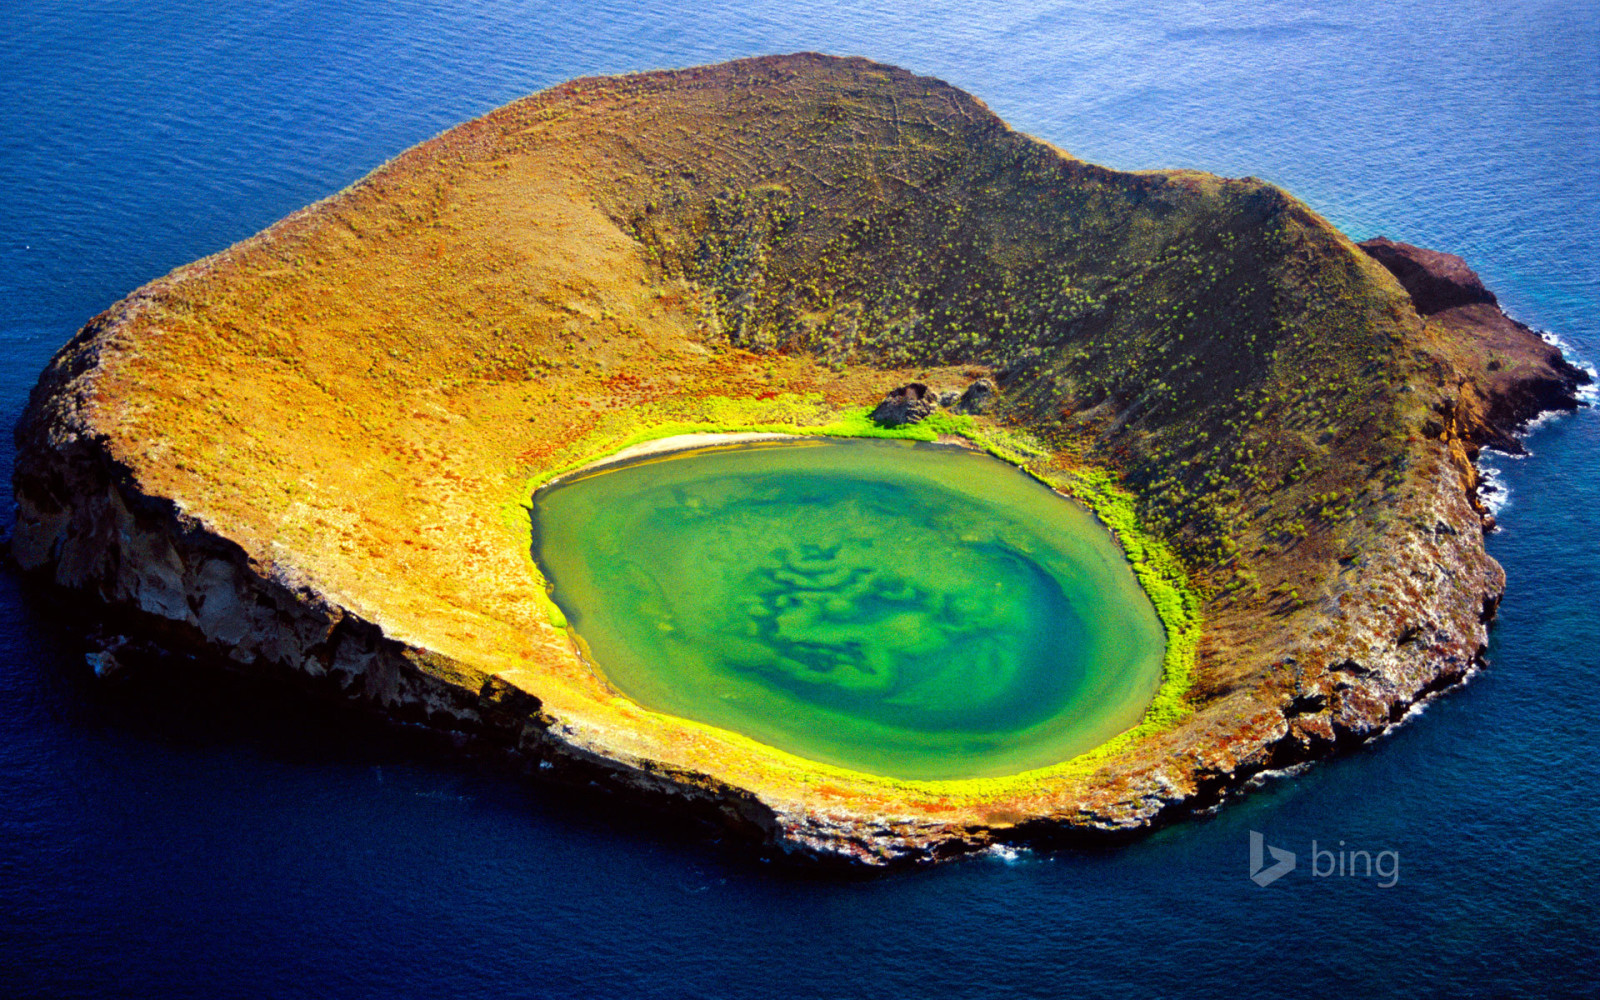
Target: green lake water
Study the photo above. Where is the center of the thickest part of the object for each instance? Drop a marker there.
(904, 609)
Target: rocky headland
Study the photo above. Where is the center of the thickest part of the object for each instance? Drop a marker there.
(309, 456)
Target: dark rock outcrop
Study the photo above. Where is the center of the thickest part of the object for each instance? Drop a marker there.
(978, 397)
(906, 405)
(1508, 373)
(1435, 280)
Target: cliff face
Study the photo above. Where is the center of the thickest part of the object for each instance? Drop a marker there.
(85, 523)
(1506, 373)
(310, 453)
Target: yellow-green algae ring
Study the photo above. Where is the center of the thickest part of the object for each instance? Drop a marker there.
(1158, 571)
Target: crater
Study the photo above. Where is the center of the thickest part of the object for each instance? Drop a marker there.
(312, 455)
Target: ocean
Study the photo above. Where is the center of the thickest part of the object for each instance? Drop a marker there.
(185, 836)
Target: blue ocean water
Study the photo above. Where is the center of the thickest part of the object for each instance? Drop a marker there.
(201, 841)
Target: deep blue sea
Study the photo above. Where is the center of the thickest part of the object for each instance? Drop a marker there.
(196, 840)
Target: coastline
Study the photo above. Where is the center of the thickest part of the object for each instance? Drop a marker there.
(103, 512)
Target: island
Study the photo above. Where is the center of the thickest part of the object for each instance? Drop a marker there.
(313, 455)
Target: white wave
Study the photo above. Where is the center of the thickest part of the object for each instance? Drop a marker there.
(1260, 778)
(1543, 417)
(1006, 853)
(1492, 488)
(1590, 393)
(1420, 706)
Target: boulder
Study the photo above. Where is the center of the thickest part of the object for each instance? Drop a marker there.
(978, 397)
(905, 405)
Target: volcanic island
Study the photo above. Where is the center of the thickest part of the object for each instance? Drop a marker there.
(327, 455)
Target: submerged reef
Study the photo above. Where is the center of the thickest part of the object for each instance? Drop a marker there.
(311, 455)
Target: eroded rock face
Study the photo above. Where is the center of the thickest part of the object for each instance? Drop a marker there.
(1508, 374)
(1435, 280)
(906, 405)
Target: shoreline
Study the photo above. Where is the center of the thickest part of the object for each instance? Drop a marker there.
(671, 445)
(696, 440)
(364, 528)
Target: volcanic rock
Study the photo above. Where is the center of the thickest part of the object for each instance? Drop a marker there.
(1507, 373)
(906, 405)
(977, 398)
(1435, 280)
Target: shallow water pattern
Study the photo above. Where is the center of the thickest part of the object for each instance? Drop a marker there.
(913, 610)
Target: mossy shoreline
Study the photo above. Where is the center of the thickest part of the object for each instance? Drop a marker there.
(1154, 563)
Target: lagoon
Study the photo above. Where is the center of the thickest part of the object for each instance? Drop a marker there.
(912, 610)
